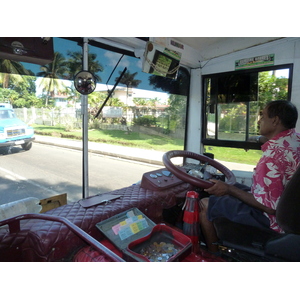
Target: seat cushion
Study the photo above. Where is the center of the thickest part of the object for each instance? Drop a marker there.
(243, 236)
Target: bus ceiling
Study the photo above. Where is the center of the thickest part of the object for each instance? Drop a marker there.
(194, 50)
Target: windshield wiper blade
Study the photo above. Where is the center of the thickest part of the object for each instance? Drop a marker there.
(110, 92)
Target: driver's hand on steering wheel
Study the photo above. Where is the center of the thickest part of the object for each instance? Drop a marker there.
(220, 188)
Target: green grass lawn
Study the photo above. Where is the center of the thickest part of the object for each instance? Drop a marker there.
(144, 141)
(119, 137)
(250, 157)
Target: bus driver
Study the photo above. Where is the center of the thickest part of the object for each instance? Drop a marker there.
(256, 206)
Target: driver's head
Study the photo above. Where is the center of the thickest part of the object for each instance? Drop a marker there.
(285, 111)
(276, 117)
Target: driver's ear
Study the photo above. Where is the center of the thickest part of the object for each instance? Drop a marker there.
(276, 121)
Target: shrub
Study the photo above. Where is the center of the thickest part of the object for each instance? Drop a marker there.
(145, 121)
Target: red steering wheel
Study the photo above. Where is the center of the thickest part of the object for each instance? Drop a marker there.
(191, 179)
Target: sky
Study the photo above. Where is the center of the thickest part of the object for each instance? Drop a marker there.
(282, 73)
(106, 58)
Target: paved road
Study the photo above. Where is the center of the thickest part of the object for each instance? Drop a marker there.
(135, 154)
(47, 170)
(54, 165)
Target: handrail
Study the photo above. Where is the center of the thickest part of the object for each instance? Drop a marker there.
(14, 226)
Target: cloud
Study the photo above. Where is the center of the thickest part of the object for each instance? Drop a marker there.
(139, 64)
(113, 59)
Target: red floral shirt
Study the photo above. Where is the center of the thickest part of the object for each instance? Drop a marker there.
(280, 159)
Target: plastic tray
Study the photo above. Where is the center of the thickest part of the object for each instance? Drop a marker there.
(176, 245)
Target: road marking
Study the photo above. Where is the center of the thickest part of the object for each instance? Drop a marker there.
(10, 177)
(19, 177)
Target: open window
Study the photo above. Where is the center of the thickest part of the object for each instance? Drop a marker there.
(234, 100)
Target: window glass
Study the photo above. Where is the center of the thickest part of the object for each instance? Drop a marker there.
(151, 106)
(145, 111)
(231, 122)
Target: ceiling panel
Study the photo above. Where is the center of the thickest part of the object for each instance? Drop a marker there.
(210, 47)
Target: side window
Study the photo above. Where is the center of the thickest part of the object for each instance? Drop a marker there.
(233, 102)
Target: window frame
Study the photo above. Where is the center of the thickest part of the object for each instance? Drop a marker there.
(230, 143)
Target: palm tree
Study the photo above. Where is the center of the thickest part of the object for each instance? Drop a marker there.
(128, 80)
(75, 64)
(72, 93)
(52, 73)
(11, 71)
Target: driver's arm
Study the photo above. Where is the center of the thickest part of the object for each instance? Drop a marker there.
(221, 188)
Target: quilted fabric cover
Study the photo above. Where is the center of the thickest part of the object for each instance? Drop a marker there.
(40, 240)
(88, 254)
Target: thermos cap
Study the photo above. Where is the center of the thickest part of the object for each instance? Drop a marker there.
(192, 194)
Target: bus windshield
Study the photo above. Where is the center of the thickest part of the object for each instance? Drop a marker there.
(152, 107)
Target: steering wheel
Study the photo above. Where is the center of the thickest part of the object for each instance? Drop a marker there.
(191, 179)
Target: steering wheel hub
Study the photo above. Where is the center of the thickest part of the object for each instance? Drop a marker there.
(195, 181)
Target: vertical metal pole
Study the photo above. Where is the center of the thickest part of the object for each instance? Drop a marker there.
(84, 108)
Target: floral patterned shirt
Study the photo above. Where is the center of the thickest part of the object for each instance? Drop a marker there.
(280, 159)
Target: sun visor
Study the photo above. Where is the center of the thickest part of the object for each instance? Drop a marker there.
(35, 50)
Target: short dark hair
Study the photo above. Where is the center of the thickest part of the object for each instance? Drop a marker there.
(285, 110)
